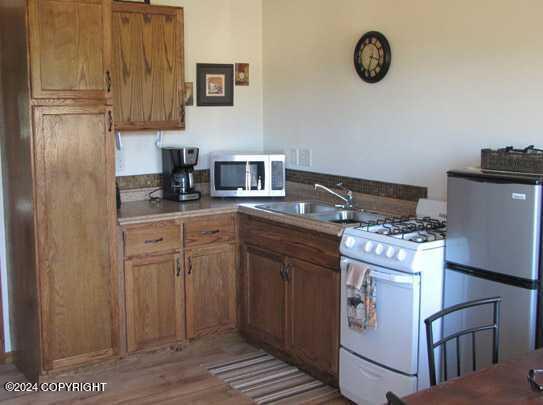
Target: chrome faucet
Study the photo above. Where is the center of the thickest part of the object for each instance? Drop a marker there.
(348, 197)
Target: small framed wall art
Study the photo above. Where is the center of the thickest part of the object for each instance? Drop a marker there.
(242, 74)
(214, 84)
(189, 94)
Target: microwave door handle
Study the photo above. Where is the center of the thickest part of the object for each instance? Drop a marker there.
(247, 174)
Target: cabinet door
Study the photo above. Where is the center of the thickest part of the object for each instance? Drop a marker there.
(76, 220)
(314, 314)
(210, 289)
(148, 67)
(70, 49)
(155, 312)
(264, 299)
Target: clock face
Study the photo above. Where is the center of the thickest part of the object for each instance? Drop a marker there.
(372, 57)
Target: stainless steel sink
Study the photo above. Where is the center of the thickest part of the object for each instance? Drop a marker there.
(299, 207)
(319, 211)
(346, 217)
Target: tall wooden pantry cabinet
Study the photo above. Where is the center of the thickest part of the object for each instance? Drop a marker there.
(59, 174)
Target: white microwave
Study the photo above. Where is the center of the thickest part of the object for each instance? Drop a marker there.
(247, 175)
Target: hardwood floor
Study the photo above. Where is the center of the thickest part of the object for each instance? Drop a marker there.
(165, 377)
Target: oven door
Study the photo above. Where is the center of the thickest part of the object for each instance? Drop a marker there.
(239, 176)
(394, 344)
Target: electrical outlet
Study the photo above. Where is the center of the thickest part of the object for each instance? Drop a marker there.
(304, 158)
(292, 158)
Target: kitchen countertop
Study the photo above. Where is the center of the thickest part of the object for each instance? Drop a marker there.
(138, 212)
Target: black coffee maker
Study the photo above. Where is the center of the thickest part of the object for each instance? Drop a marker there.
(178, 173)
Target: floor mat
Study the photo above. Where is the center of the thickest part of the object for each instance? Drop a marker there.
(267, 380)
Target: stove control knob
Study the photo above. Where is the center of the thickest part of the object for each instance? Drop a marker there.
(390, 252)
(349, 242)
(368, 246)
(402, 254)
(379, 249)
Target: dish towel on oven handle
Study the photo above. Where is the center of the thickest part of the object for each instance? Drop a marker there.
(361, 298)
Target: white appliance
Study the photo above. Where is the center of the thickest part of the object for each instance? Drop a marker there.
(406, 258)
(236, 174)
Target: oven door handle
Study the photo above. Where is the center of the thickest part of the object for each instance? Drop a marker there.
(393, 278)
(379, 275)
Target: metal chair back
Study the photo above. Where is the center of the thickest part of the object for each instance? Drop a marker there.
(431, 345)
(393, 399)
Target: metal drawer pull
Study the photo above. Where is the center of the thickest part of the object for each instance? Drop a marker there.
(108, 81)
(190, 265)
(178, 263)
(150, 241)
(110, 121)
(213, 232)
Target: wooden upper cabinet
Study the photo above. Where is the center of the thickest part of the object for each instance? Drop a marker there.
(70, 49)
(76, 223)
(148, 67)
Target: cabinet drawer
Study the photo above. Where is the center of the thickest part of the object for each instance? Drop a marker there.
(152, 238)
(212, 229)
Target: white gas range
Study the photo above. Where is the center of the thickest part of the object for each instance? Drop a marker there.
(406, 259)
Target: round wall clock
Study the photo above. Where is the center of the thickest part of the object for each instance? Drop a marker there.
(372, 57)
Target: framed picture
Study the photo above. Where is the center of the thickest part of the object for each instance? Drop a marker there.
(189, 94)
(242, 74)
(214, 84)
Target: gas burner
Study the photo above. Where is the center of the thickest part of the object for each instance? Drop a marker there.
(418, 230)
(419, 238)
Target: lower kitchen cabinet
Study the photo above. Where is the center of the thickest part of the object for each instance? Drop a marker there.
(291, 294)
(264, 296)
(155, 312)
(210, 274)
(313, 297)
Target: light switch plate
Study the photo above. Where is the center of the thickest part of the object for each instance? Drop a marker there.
(304, 158)
(292, 157)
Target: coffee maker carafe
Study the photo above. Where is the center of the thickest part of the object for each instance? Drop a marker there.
(178, 173)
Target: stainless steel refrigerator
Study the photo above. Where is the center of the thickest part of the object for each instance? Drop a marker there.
(494, 249)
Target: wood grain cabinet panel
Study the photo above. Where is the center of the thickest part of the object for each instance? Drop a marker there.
(314, 314)
(154, 289)
(148, 67)
(70, 49)
(210, 230)
(76, 220)
(154, 238)
(210, 289)
(264, 296)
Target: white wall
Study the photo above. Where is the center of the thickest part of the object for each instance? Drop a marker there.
(465, 75)
(216, 31)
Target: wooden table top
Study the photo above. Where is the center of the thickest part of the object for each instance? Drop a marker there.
(504, 383)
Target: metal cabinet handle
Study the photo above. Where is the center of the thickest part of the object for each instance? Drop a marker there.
(178, 264)
(110, 121)
(213, 232)
(108, 81)
(287, 272)
(282, 272)
(152, 241)
(190, 265)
